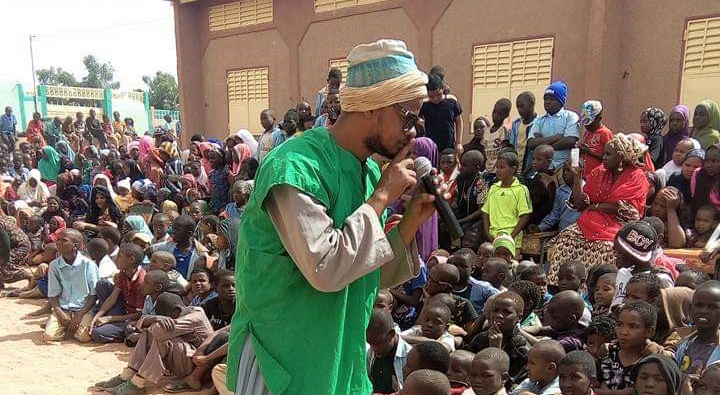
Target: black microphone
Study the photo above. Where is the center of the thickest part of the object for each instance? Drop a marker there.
(423, 170)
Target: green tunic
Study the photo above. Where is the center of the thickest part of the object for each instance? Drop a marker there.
(306, 341)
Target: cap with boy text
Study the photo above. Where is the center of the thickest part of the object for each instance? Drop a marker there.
(638, 239)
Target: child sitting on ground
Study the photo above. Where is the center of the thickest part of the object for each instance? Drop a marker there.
(542, 366)
(434, 322)
(706, 220)
(459, 373)
(477, 292)
(541, 182)
(636, 324)
(98, 250)
(643, 287)
(165, 261)
(537, 276)
(532, 297)
(427, 355)
(504, 247)
(571, 277)
(507, 208)
(602, 330)
(489, 373)
(563, 314)
(577, 373)
(604, 294)
(220, 309)
(484, 252)
(386, 348)
(126, 298)
(427, 382)
(691, 278)
(495, 272)
(701, 349)
(162, 352)
(201, 286)
(503, 315)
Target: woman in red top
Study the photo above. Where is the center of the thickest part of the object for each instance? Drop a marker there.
(35, 130)
(614, 194)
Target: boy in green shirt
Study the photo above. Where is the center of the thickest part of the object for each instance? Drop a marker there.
(507, 207)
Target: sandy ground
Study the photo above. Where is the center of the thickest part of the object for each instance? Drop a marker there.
(28, 366)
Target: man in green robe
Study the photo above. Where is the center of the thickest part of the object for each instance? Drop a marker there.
(312, 250)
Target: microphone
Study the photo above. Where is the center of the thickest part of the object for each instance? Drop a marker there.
(423, 170)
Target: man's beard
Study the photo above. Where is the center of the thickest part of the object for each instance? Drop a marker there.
(374, 144)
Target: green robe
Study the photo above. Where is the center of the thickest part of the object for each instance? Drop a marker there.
(307, 342)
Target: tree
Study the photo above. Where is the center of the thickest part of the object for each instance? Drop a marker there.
(53, 76)
(163, 91)
(100, 75)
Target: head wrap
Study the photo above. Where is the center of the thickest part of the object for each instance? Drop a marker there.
(107, 184)
(242, 152)
(229, 228)
(124, 183)
(168, 148)
(631, 151)
(590, 110)
(381, 74)
(657, 119)
(146, 145)
(559, 91)
(69, 153)
(168, 206)
(424, 146)
(695, 153)
(137, 223)
(668, 368)
(247, 187)
(50, 165)
(55, 236)
(215, 141)
(37, 194)
(506, 241)
(247, 138)
(685, 112)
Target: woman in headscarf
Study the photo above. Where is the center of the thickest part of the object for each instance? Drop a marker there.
(168, 206)
(50, 165)
(68, 128)
(103, 212)
(673, 320)
(101, 180)
(33, 191)
(63, 148)
(15, 247)
(240, 153)
(427, 236)
(146, 146)
(613, 195)
(88, 162)
(678, 129)
(173, 170)
(694, 159)
(155, 167)
(705, 182)
(137, 223)
(54, 209)
(36, 130)
(652, 122)
(227, 237)
(135, 170)
(243, 136)
(706, 123)
(124, 197)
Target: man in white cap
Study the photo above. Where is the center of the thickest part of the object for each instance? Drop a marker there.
(312, 250)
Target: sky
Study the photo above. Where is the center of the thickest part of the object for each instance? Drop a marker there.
(136, 36)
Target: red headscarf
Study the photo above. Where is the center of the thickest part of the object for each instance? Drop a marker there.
(55, 236)
(242, 152)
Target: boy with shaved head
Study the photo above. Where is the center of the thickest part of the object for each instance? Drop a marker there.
(387, 349)
(542, 364)
(426, 382)
(72, 278)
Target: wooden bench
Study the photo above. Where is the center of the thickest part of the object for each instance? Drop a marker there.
(692, 258)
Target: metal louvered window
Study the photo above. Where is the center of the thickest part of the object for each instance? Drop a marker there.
(248, 95)
(700, 77)
(341, 64)
(506, 69)
(332, 5)
(239, 14)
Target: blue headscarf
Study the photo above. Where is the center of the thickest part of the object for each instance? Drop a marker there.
(558, 90)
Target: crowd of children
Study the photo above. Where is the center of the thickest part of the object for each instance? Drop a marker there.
(132, 239)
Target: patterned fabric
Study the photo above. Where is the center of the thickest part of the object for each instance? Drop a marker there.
(631, 151)
(590, 110)
(571, 245)
(613, 373)
(19, 250)
(657, 119)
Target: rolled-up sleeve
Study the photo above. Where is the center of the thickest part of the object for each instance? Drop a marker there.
(331, 258)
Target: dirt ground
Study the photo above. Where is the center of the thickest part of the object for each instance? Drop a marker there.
(28, 366)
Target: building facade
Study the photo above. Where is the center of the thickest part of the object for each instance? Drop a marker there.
(237, 57)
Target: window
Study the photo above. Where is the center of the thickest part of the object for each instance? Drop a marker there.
(507, 69)
(247, 96)
(240, 13)
(341, 64)
(701, 62)
(332, 5)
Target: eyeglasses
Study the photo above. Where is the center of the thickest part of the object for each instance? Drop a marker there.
(410, 118)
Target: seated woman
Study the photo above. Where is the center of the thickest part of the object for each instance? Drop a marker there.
(694, 159)
(705, 182)
(614, 193)
(103, 212)
(54, 209)
(50, 165)
(33, 191)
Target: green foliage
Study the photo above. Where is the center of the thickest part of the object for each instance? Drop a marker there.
(100, 75)
(163, 90)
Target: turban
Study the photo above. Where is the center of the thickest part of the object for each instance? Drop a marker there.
(381, 74)
(558, 90)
